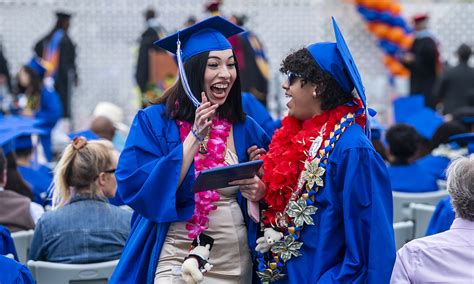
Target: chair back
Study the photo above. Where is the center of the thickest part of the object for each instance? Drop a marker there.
(59, 273)
(22, 240)
(402, 200)
(403, 233)
(422, 214)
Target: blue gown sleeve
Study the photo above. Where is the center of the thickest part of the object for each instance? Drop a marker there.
(367, 209)
(7, 246)
(259, 113)
(13, 272)
(51, 109)
(148, 171)
(442, 218)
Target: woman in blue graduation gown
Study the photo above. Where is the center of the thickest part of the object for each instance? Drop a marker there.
(329, 201)
(156, 171)
(42, 102)
(38, 176)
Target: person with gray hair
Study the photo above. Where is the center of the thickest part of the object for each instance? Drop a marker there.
(448, 256)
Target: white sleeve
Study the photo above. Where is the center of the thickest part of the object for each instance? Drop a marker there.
(36, 211)
(400, 273)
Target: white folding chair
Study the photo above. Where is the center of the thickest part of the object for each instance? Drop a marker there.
(22, 240)
(126, 207)
(403, 233)
(59, 273)
(422, 214)
(442, 184)
(402, 200)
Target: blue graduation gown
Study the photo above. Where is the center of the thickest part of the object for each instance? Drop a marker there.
(442, 218)
(7, 245)
(352, 238)
(147, 178)
(13, 272)
(40, 179)
(411, 178)
(259, 113)
(435, 165)
(49, 113)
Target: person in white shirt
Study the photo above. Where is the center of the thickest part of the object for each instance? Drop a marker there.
(447, 256)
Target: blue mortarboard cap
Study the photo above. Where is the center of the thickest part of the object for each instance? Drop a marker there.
(468, 119)
(376, 129)
(12, 127)
(37, 66)
(425, 121)
(23, 142)
(88, 134)
(210, 34)
(467, 138)
(336, 59)
(412, 111)
(406, 106)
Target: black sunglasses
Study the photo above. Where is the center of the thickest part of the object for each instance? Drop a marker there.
(111, 171)
(292, 77)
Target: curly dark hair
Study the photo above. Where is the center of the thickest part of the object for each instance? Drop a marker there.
(403, 141)
(302, 63)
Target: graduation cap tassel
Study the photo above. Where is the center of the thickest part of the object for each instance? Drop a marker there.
(184, 80)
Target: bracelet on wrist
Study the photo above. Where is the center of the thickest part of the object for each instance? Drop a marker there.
(196, 135)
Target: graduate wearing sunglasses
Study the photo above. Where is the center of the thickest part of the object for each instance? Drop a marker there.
(329, 204)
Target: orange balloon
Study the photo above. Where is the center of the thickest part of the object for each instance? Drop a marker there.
(381, 30)
(407, 42)
(371, 27)
(369, 3)
(396, 69)
(387, 60)
(395, 8)
(382, 5)
(405, 73)
(396, 35)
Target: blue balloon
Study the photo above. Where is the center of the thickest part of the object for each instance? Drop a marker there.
(386, 17)
(389, 47)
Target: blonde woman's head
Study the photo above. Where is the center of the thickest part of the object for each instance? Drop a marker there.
(85, 167)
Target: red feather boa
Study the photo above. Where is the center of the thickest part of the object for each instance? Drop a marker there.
(288, 151)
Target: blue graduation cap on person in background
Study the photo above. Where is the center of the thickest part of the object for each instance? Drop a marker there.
(210, 34)
(88, 134)
(37, 65)
(467, 138)
(411, 110)
(468, 119)
(335, 58)
(12, 127)
(23, 142)
(404, 106)
(376, 129)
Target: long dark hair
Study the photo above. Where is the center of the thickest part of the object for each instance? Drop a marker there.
(34, 88)
(178, 106)
(15, 181)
